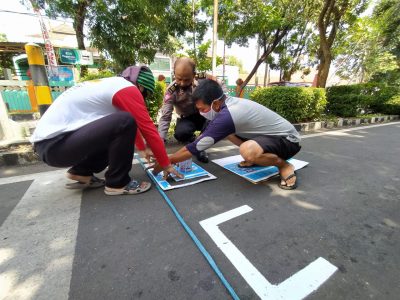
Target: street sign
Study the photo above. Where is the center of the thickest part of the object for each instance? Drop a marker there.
(85, 57)
(69, 56)
(76, 57)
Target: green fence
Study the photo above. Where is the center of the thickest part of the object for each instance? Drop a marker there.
(247, 91)
(17, 100)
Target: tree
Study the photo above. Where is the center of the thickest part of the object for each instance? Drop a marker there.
(268, 21)
(127, 31)
(234, 61)
(77, 10)
(386, 14)
(5, 57)
(292, 50)
(133, 31)
(200, 56)
(363, 53)
(334, 15)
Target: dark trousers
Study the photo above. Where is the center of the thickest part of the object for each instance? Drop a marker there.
(108, 141)
(186, 126)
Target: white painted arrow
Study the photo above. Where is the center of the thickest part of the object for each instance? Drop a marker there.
(296, 287)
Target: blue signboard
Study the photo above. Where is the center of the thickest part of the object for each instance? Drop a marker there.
(69, 56)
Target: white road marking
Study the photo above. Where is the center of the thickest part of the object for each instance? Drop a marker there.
(335, 132)
(20, 178)
(295, 287)
(37, 240)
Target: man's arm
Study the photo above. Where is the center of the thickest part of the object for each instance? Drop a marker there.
(181, 155)
(130, 99)
(166, 111)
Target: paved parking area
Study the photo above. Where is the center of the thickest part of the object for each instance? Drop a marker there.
(59, 244)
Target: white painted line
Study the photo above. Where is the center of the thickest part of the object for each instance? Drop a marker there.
(20, 178)
(307, 280)
(334, 132)
(37, 240)
(295, 287)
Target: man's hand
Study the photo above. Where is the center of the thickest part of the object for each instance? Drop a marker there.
(171, 170)
(167, 171)
(147, 154)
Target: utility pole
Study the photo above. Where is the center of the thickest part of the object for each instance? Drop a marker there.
(223, 66)
(215, 38)
(258, 56)
(194, 29)
(265, 74)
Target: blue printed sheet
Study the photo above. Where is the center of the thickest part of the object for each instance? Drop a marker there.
(257, 173)
(189, 179)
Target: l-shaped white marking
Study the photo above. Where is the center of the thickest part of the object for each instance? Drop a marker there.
(298, 286)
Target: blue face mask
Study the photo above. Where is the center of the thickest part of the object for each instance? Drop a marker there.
(211, 114)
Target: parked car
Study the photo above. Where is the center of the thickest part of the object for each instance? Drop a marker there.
(288, 83)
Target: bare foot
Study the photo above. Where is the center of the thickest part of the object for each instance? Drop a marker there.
(83, 179)
(285, 171)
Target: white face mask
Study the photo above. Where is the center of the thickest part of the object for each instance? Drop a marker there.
(211, 114)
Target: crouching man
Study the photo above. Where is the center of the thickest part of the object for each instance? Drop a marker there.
(264, 137)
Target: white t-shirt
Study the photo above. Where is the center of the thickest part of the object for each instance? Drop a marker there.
(78, 106)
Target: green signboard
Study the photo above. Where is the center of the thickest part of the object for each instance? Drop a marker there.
(69, 56)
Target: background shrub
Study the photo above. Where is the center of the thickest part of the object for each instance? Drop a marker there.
(155, 102)
(350, 100)
(99, 75)
(296, 104)
(392, 107)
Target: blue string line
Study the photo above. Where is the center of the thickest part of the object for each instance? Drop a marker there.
(199, 245)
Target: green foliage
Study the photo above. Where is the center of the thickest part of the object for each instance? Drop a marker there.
(154, 102)
(268, 21)
(363, 53)
(234, 61)
(387, 14)
(350, 100)
(128, 31)
(133, 31)
(5, 58)
(392, 107)
(99, 75)
(296, 104)
(203, 61)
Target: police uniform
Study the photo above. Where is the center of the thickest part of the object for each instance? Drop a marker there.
(189, 119)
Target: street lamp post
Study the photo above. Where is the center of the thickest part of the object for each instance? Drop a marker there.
(215, 37)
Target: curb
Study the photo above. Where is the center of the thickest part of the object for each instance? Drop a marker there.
(343, 122)
(18, 158)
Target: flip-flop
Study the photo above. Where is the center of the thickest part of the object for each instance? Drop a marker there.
(285, 186)
(94, 183)
(240, 165)
(132, 188)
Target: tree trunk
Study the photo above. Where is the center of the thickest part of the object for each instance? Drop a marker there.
(79, 22)
(253, 71)
(287, 75)
(323, 68)
(279, 35)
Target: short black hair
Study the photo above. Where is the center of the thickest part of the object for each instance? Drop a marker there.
(208, 90)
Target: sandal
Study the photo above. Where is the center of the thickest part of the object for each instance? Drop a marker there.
(94, 183)
(132, 188)
(242, 165)
(288, 187)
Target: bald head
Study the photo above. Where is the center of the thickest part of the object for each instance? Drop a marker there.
(184, 69)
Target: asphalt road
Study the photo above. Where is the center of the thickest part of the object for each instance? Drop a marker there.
(60, 244)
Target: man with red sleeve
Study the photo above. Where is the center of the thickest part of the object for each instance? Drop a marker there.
(94, 125)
